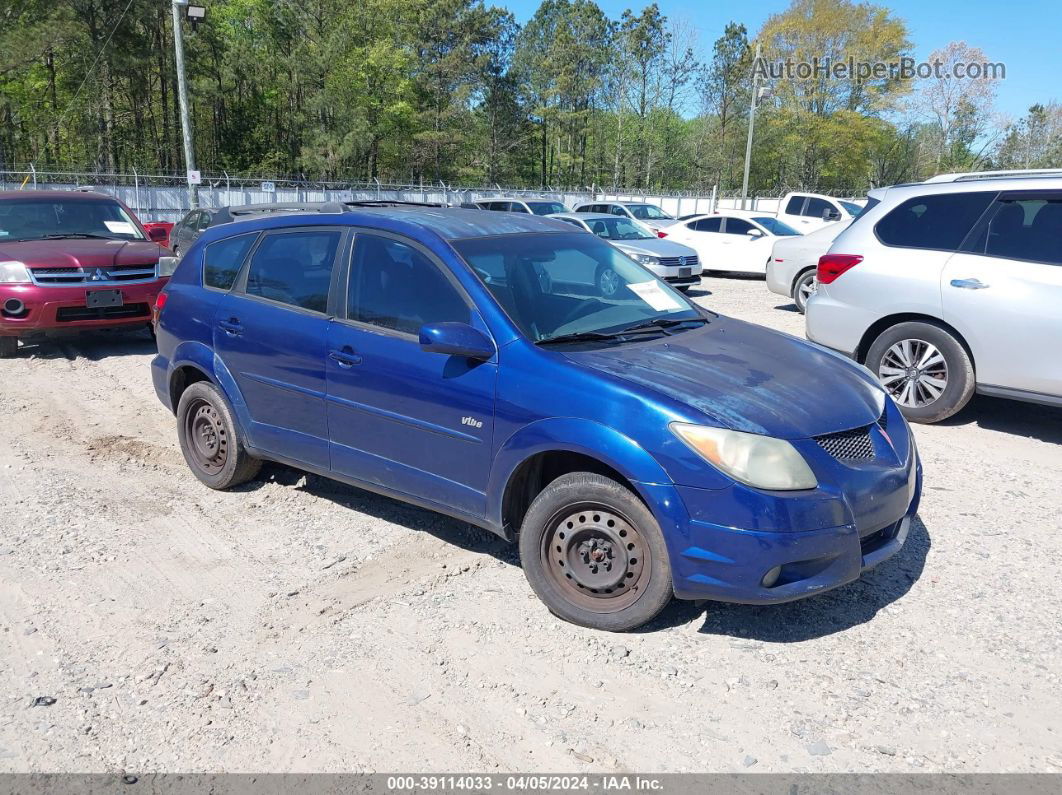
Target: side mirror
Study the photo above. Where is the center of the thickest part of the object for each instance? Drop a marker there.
(754, 233)
(456, 339)
(831, 214)
(158, 234)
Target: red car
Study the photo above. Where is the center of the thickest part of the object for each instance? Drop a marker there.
(159, 231)
(74, 260)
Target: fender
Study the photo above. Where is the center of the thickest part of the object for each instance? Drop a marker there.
(570, 434)
(202, 357)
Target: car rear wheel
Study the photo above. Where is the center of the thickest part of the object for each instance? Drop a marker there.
(8, 347)
(803, 289)
(926, 370)
(210, 440)
(593, 552)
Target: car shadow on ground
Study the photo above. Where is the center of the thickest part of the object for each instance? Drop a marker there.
(816, 616)
(1030, 420)
(788, 308)
(91, 345)
(359, 501)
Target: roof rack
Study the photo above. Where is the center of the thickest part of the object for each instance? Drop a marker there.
(971, 176)
(284, 207)
(391, 203)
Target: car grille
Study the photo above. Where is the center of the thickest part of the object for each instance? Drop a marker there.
(853, 445)
(94, 277)
(69, 314)
(675, 262)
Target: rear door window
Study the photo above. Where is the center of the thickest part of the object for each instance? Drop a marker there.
(939, 222)
(707, 224)
(737, 226)
(294, 268)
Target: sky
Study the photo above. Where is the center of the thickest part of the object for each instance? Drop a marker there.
(1023, 34)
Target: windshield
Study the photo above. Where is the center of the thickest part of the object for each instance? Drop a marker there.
(547, 208)
(569, 283)
(775, 227)
(38, 219)
(851, 208)
(648, 212)
(617, 228)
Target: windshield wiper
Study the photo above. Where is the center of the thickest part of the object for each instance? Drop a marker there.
(66, 235)
(581, 336)
(661, 323)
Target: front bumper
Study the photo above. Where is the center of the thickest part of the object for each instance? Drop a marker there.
(49, 309)
(810, 543)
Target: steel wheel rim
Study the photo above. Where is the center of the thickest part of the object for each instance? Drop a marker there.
(914, 372)
(609, 282)
(208, 441)
(596, 558)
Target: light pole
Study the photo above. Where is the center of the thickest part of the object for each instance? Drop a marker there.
(752, 124)
(182, 96)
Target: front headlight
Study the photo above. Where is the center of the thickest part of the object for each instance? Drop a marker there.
(167, 265)
(759, 461)
(13, 272)
(646, 259)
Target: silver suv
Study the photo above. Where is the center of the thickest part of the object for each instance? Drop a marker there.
(948, 287)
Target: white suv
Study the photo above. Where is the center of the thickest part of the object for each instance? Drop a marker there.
(948, 287)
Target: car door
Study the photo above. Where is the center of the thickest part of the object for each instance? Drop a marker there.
(746, 251)
(271, 335)
(703, 235)
(1003, 291)
(792, 211)
(813, 216)
(410, 421)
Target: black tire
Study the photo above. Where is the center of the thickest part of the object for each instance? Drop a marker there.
(210, 440)
(594, 554)
(685, 288)
(800, 289)
(953, 369)
(8, 347)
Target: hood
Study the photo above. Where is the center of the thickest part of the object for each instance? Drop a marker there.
(655, 247)
(749, 378)
(81, 253)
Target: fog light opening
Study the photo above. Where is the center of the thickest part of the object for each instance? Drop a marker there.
(14, 307)
(771, 577)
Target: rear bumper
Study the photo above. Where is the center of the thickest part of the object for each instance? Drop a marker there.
(835, 325)
(779, 278)
(805, 552)
(48, 309)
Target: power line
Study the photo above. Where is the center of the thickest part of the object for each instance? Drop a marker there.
(92, 68)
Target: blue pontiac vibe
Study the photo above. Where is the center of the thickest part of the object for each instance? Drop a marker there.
(636, 446)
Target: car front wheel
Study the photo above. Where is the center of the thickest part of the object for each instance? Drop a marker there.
(593, 552)
(210, 440)
(926, 370)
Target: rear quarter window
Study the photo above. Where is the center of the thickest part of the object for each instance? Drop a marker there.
(222, 260)
(938, 222)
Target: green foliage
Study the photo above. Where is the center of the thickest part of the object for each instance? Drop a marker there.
(455, 90)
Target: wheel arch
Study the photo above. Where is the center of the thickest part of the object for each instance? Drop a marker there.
(544, 451)
(880, 326)
(797, 276)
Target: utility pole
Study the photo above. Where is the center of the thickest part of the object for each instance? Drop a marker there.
(752, 124)
(182, 95)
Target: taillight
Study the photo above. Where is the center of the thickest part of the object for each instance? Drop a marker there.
(661, 234)
(833, 265)
(160, 302)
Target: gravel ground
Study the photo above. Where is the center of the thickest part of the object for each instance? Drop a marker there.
(297, 624)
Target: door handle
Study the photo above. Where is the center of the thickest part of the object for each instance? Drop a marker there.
(969, 284)
(345, 358)
(231, 326)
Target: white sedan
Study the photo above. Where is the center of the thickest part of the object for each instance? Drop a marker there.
(730, 240)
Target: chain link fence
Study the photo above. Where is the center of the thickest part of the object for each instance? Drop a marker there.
(166, 197)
